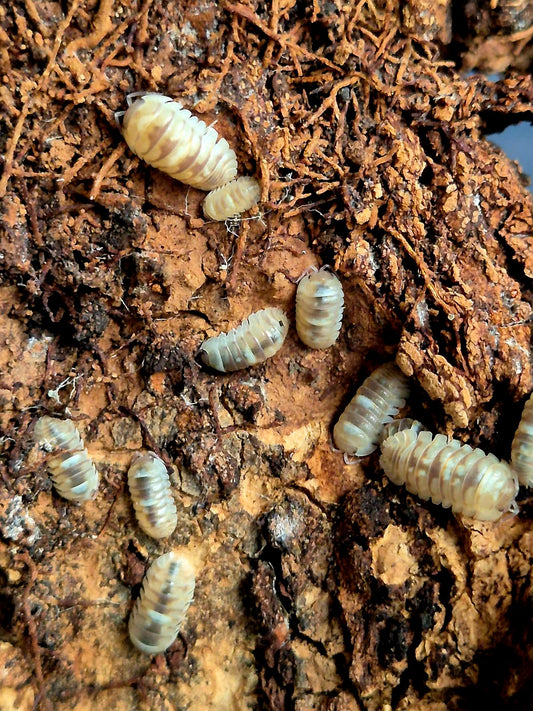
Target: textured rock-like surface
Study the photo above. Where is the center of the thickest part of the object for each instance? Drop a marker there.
(321, 586)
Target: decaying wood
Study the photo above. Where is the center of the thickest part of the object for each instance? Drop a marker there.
(320, 586)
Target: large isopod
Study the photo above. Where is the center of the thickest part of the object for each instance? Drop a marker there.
(450, 473)
(151, 495)
(259, 337)
(522, 447)
(169, 138)
(231, 199)
(319, 309)
(376, 402)
(167, 592)
(73, 473)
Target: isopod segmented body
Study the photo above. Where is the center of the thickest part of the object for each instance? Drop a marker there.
(522, 447)
(450, 473)
(169, 138)
(400, 424)
(319, 309)
(231, 199)
(259, 337)
(73, 473)
(167, 592)
(376, 403)
(151, 495)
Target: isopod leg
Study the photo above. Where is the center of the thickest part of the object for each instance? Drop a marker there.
(350, 461)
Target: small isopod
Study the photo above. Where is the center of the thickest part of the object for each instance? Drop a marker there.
(450, 473)
(152, 499)
(400, 424)
(522, 447)
(73, 473)
(319, 309)
(166, 594)
(259, 337)
(169, 138)
(376, 403)
(231, 199)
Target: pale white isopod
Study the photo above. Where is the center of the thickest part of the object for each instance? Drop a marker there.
(319, 309)
(169, 138)
(376, 402)
(73, 473)
(151, 495)
(167, 592)
(522, 447)
(450, 473)
(231, 199)
(259, 337)
(400, 424)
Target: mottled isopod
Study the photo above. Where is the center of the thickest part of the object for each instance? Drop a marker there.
(73, 473)
(169, 138)
(450, 473)
(319, 308)
(231, 199)
(376, 402)
(522, 448)
(152, 499)
(258, 337)
(400, 424)
(167, 592)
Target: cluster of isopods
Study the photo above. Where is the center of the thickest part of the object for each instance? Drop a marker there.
(319, 309)
(168, 586)
(169, 138)
(432, 466)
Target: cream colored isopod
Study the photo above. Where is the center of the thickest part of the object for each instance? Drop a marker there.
(319, 309)
(450, 473)
(259, 337)
(376, 402)
(169, 138)
(231, 199)
(151, 495)
(167, 592)
(73, 473)
(522, 447)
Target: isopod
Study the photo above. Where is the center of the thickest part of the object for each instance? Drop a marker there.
(152, 499)
(450, 473)
(319, 309)
(73, 473)
(400, 424)
(258, 337)
(522, 447)
(376, 402)
(169, 138)
(166, 594)
(231, 199)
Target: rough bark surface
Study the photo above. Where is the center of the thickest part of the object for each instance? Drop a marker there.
(320, 586)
